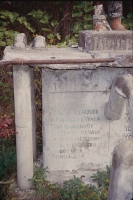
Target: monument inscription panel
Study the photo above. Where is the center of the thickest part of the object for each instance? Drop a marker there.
(112, 40)
(76, 134)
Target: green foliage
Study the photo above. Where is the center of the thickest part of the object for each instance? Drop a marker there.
(102, 179)
(7, 147)
(82, 16)
(6, 35)
(43, 187)
(5, 86)
(46, 25)
(8, 24)
(7, 161)
(128, 21)
(38, 22)
(37, 14)
(73, 189)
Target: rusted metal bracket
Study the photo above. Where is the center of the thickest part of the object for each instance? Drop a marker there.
(56, 61)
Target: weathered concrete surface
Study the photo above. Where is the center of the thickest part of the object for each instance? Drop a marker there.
(23, 122)
(121, 177)
(33, 103)
(122, 88)
(114, 108)
(39, 42)
(106, 40)
(20, 41)
(76, 134)
(122, 58)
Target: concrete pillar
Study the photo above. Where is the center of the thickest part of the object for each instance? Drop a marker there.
(33, 112)
(23, 121)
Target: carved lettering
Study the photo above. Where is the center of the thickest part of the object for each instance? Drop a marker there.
(127, 136)
(123, 44)
(114, 43)
(127, 127)
(96, 43)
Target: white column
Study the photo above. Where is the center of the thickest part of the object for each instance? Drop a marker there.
(23, 121)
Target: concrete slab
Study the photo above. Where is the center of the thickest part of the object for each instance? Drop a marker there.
(122, 58)
(76, 134)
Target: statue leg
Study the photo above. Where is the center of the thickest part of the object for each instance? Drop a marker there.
(99, 18)
(115, 11)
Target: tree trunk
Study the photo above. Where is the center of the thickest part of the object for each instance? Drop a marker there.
(67, 10)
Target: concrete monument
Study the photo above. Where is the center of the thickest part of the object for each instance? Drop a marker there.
(77, 137)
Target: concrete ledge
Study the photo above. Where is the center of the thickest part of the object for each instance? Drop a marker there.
(122, 58)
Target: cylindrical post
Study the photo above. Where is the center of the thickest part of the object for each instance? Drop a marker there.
(23, 121)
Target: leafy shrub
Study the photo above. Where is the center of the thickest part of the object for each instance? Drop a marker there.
(82, 15)
(102, 179)
(43, 188)
(7, 164)
(7, 161)
(45, 25)
(128, 21)
(8, 24)
(73, 189)
(81, 20)
(10, 21)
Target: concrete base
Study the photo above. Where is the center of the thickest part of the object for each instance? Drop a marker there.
(105, 40)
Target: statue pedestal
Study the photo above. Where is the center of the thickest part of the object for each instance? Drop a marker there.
(91, 40)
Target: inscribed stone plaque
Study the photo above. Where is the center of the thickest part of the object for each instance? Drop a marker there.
(76, 134)
(106, 40)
